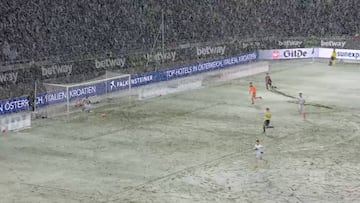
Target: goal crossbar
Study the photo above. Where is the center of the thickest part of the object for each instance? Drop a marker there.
(90, 82)
(99, 90)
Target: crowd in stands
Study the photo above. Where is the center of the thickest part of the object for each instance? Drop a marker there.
(33, 30)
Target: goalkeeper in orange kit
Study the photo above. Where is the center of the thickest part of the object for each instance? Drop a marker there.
(252, 92)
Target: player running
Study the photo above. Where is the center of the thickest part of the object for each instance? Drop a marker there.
(301, 102)
(252, 92)
(258, 150)
(266, 123)
(268, 81)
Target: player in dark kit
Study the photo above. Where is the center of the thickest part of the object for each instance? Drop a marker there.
(31, 99)
(268, 81)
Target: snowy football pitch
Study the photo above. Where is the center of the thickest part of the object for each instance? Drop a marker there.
(197, 146)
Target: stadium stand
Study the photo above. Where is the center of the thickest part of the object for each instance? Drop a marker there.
(60, 31)
(33, 30)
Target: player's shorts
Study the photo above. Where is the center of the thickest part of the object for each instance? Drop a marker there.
(301, 108)
(267, 123)
(253, 94)
(258, 154)
(332, 58)
(86, 107)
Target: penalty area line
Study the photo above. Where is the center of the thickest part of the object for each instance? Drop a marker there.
(175, 173)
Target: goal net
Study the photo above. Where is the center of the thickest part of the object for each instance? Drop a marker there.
(64, 99)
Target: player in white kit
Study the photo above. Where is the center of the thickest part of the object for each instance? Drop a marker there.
(301, 103)
(258, 149)
(86, 104)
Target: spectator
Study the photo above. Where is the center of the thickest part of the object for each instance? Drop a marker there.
(47, 28)
(78, 30)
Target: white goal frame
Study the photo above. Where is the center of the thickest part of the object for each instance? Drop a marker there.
(111, 85)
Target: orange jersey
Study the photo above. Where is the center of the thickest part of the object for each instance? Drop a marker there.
(252, 89)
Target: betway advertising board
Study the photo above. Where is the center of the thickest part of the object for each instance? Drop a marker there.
(288, 53)
(333, 43)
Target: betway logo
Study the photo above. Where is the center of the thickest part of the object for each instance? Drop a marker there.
(161, 56)
(339, 44)
(56, 69)
(208, 50)
(8, 77)
(290, 43)
(107, 63)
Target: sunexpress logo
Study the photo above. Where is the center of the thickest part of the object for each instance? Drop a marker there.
(349, 54)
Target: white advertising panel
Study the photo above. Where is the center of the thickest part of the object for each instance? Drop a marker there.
(15, 121)
(288, 53)
(345, 54)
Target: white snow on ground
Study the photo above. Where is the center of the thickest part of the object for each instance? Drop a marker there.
(196, 146)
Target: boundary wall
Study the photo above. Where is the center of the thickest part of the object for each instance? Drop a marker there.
(309, 53)
(48, 98)
(21, 104)
(42, 98)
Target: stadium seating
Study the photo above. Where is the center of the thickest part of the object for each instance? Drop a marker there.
(45, 29)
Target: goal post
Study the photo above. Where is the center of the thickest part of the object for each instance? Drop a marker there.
(64, 99)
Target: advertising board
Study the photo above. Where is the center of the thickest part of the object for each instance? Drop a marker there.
(15, 121)
(288, 53)
(344, 54)
(111, 85)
